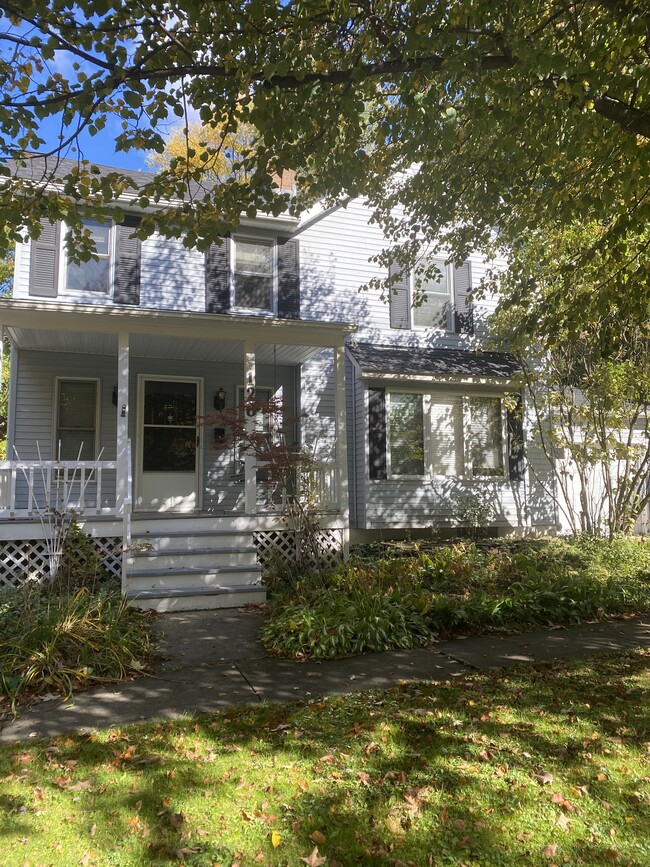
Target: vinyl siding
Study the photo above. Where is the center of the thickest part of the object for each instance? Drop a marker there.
(34, 417)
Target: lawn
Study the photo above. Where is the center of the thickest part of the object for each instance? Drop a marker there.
(547, 766)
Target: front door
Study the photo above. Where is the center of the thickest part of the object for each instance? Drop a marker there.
(168, 453)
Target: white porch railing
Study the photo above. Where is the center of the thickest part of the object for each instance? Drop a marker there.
(28, 487)
(318, 488)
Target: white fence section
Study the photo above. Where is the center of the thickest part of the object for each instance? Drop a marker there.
(30, 487)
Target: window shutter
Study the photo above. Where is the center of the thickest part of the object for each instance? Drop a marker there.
(463, 315)
(44, 261)
(399, 296)
(128, 264)
(377, 433)
(288, 278)
(217, 277)
(516, 456)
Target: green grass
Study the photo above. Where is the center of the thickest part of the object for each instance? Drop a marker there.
(388, 597)
(547, 766)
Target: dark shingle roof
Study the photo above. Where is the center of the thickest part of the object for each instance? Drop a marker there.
(432, 362)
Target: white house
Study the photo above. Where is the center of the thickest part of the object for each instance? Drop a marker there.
(113, 361)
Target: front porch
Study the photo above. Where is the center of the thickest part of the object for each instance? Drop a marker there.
(192, 522)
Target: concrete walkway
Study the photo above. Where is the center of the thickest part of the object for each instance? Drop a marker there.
(213, 660)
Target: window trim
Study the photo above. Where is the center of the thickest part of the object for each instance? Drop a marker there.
(451, 297)
(253, 239)
(428, 400)
(112, 263)
(57, 408)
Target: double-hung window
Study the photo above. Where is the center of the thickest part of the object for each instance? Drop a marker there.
(77, 419)
(432, 294)
(95, 275)
(254, 274)
(486, 436)
(406, 434)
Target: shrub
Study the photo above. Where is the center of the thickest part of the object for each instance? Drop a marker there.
(58, 642)
(385, 599)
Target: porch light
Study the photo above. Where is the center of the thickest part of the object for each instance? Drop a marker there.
(114, 395)
(220, 399)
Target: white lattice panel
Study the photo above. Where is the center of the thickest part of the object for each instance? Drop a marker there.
(289, 547)
(24, 560)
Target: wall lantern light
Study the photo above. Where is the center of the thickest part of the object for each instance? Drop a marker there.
(220, 400)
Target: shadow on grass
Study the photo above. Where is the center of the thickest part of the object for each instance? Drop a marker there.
(486, 769)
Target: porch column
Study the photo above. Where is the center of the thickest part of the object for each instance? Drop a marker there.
(122, 451)
(250, 462)
(340, 422)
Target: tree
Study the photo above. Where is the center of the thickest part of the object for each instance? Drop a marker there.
(587, 379)
(453, 118)
(216, 154)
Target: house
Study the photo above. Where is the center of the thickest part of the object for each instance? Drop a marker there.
(411, 425)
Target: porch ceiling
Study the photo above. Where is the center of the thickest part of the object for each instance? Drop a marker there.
(158, 346)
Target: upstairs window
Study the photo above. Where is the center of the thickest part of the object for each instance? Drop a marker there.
(254, 278)
(94, 275)
(435, 309)
(76, 431)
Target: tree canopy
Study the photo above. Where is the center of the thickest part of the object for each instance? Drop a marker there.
(453, 118)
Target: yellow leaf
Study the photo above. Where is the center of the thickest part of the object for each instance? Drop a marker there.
(276, 839)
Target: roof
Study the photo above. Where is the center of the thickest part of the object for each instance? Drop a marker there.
(40, 168)
(432, 362)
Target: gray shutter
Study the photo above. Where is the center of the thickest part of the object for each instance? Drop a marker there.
(44, 261)
(399, 296)
(377, 433)
(516, 455)
(128, 262)
(288, 278)
(463, 315)
(217, 277)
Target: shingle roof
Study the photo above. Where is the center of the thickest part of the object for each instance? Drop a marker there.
(432, 362)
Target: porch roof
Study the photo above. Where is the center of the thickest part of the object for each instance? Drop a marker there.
(427, 363)
(164, 334)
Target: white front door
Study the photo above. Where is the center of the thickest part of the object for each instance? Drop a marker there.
(168, 440)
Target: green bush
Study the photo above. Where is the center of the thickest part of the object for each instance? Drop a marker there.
(60, 641)
(384, 598)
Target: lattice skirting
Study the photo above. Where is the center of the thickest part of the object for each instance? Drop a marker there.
(24, 560)
(288, 547)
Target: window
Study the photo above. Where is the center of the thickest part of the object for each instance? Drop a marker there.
(254, 277)
(446, 440)
(94, 275)
(437, 434)
(406, 426)
(76, 431)
(486, 436)
(435, 310)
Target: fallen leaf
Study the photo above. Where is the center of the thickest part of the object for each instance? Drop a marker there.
(312, 860)
(550, 850)
(176, 820)
(317, 837)
(93, 830)
(545, 778)
(276, 839)
(563, 821)
(364, 777)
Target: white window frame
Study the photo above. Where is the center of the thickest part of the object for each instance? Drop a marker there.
(57, 407)
(467, 430)
(112, 264)
(451, 295)
(254, 239)
(465, 457)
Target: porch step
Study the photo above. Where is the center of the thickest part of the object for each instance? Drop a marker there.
(166, 558)
(192, 539)
(165, 572)
(197, 598)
